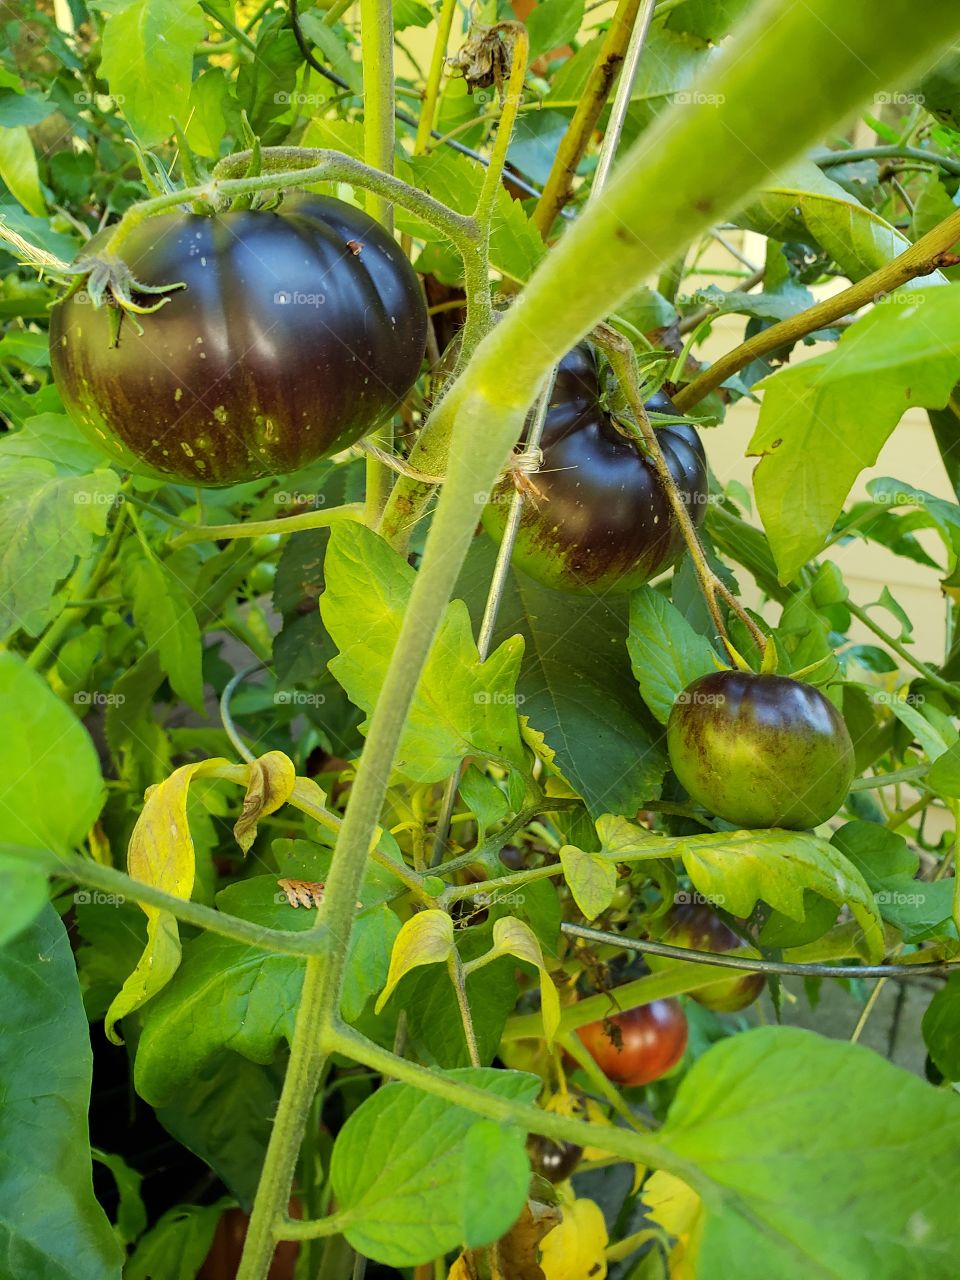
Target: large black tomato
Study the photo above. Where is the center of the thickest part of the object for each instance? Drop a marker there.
(298, 332)
(598, 518)
(760, 751)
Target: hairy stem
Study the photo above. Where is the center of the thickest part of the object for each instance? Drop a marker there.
(379, 104)
(256, 528)
(901, 650)
(928, 254)
(624, 364)
(458, 978)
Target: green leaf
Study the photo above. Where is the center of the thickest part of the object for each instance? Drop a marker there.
(737, 868)
(47, 521)
(806, 205)
(51, 1226)
(44, 752)
(576, 685)
(801, 1158)
(18, 169)
(434, 1027)
(410, 13)
(175, 1248)
(206, 120)
(463, 707)
(147, 60)
(665, 652)
(553, 23)
(944, 776)
(824, 420)
(709, 19)
(592, 879)
(131, 1212)
(413, 1182)
(484, 799)
(163, 613)
(230, 995)
(426, 938)
(225, 1118)
(332, 42)
(941, 1028)
(52, 437)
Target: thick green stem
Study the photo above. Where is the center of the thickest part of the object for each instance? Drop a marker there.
(292, 167)
(576, 139)
(458, 978)
(379, 104)
(922, 258)
(256, 528)
(852, 155)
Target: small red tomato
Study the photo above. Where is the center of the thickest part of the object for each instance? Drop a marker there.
(652, 1040)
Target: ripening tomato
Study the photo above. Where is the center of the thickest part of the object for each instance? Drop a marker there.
(694, 925)
(299, 331)
(653, 1038)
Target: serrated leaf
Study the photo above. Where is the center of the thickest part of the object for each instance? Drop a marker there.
(147, 60)
(51, 1225)
(824, 420)
(463, 707)
(47, 521)
(806, 205)
(592, 879)
(774, 1120)
(230, 995)
(160, 854)
(576, 684)
(163, 613)
(736, 869)
(665, 652)
(410, 1181)
(426, 938)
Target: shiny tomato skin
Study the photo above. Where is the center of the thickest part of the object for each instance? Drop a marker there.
(760, 750)
(654, 1037)
(597, 518)
(285, 346)
(554, 1161)
(694, 925)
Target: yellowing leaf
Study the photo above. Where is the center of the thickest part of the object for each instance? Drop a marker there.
(512, 937)
(426, 938)
(575, 1249)
(592, 879)
(160, 854)
(679, 1210)
(270, 784)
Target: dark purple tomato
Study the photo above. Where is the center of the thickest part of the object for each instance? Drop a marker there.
(760, 751)
(298, 332)
(599, 519)
(554, 1161)
(695, 926)
(653, 1038)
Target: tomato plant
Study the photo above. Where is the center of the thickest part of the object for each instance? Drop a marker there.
(479, 640)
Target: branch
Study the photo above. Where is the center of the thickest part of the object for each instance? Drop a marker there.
(827, 159)
(256, 528)
(576, 139)
(930, 252)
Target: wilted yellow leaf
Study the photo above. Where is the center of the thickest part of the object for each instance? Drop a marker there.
(270, 782)
(575, 1250)
(426, 938)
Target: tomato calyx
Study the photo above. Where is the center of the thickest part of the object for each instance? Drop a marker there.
(110, 282)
